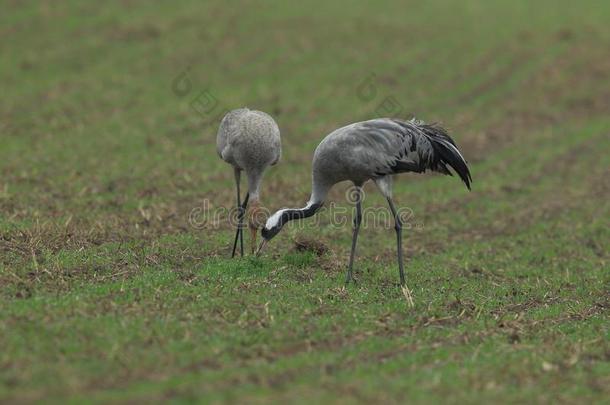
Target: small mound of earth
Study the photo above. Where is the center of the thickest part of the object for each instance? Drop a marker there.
(310, 245)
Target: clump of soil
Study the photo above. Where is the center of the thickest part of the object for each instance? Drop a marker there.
(310, 245)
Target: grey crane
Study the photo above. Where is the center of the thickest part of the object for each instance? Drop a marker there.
(373, 150)
(249, 140)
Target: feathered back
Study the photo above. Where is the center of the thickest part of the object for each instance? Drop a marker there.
(428, 147)
(376, 148)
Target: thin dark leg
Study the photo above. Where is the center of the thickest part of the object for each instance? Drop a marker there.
(357, 221)
(241, 214)
(240, 224)
(237, 173)
(240, 210)
(398, 227)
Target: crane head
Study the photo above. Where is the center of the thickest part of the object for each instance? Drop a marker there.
(272, 227)
(274, 224)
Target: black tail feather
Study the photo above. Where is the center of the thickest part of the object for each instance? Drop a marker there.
(447, 153)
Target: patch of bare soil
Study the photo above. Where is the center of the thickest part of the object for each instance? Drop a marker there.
(303, 244)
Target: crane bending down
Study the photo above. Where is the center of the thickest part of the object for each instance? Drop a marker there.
(248, 140)
(373, 150)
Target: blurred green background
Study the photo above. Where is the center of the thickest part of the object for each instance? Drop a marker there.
(108, 120)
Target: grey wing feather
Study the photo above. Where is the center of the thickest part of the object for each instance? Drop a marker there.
(248, 139)
(229, 127)
(275, 139)
(392, 146)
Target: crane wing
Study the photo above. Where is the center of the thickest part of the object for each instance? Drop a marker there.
(391, 146)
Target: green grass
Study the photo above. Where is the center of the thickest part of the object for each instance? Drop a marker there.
(109, 294)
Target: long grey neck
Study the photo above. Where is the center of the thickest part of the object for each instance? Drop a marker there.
(254, 185)
(315, 202)
(290, 214)
(318, 195)
(318, 192)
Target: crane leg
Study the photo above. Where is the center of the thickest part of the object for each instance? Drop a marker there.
(398, 227)
(357, 221)
(239, 233)
(241, 210)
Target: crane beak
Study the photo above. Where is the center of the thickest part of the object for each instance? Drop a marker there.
(261, 246)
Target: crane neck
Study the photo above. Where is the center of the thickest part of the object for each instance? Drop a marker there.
(318, 195)
(310, 209)
(319, 191)
(285, 215)
(254, 184)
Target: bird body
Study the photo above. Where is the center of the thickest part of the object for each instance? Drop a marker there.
(374, 150)
(249, 140)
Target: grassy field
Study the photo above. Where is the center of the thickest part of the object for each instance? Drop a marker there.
(114, 288)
